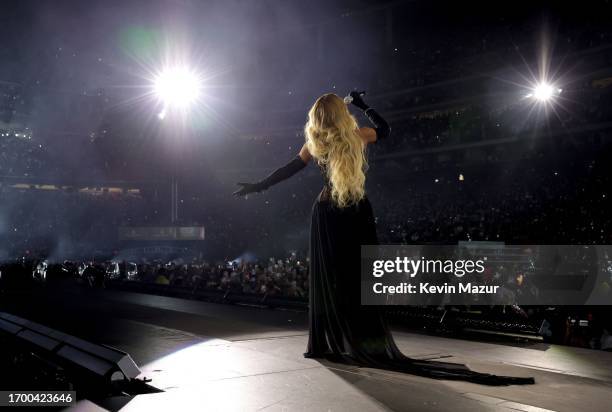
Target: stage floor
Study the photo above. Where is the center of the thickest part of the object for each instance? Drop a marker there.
(219, 357)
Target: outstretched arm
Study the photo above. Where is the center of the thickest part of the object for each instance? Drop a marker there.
(381, 129)
(280, 174)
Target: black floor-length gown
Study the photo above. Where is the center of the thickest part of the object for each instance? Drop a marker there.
(343, 330)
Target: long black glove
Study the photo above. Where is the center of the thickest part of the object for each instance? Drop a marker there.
(275, 177)
(383, 130)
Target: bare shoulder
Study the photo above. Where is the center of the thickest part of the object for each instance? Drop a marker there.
(367, 134)
(305, 154)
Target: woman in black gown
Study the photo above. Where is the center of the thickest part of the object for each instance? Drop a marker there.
(341, 329)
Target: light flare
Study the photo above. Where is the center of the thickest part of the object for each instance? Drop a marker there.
(178, 87)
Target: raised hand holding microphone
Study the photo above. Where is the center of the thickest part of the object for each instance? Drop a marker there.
(380, 125)
(356, 98)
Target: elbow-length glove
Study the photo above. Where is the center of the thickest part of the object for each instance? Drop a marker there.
(383, 130)
(280, 174)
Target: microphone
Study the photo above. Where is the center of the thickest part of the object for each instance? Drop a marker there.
(348, 99)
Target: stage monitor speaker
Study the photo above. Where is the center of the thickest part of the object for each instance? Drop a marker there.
(98, 362)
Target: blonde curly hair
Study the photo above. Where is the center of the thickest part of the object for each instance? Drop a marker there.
(332, 139)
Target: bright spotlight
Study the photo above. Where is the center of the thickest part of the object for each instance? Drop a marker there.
(178, 87)
(544, 92)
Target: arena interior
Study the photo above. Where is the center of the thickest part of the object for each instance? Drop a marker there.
(132, 277)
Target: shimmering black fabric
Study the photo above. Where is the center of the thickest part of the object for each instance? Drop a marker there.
(343, 330)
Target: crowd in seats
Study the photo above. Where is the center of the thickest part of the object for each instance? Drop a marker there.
(19, 156)
(514, 193)
(286, 277)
